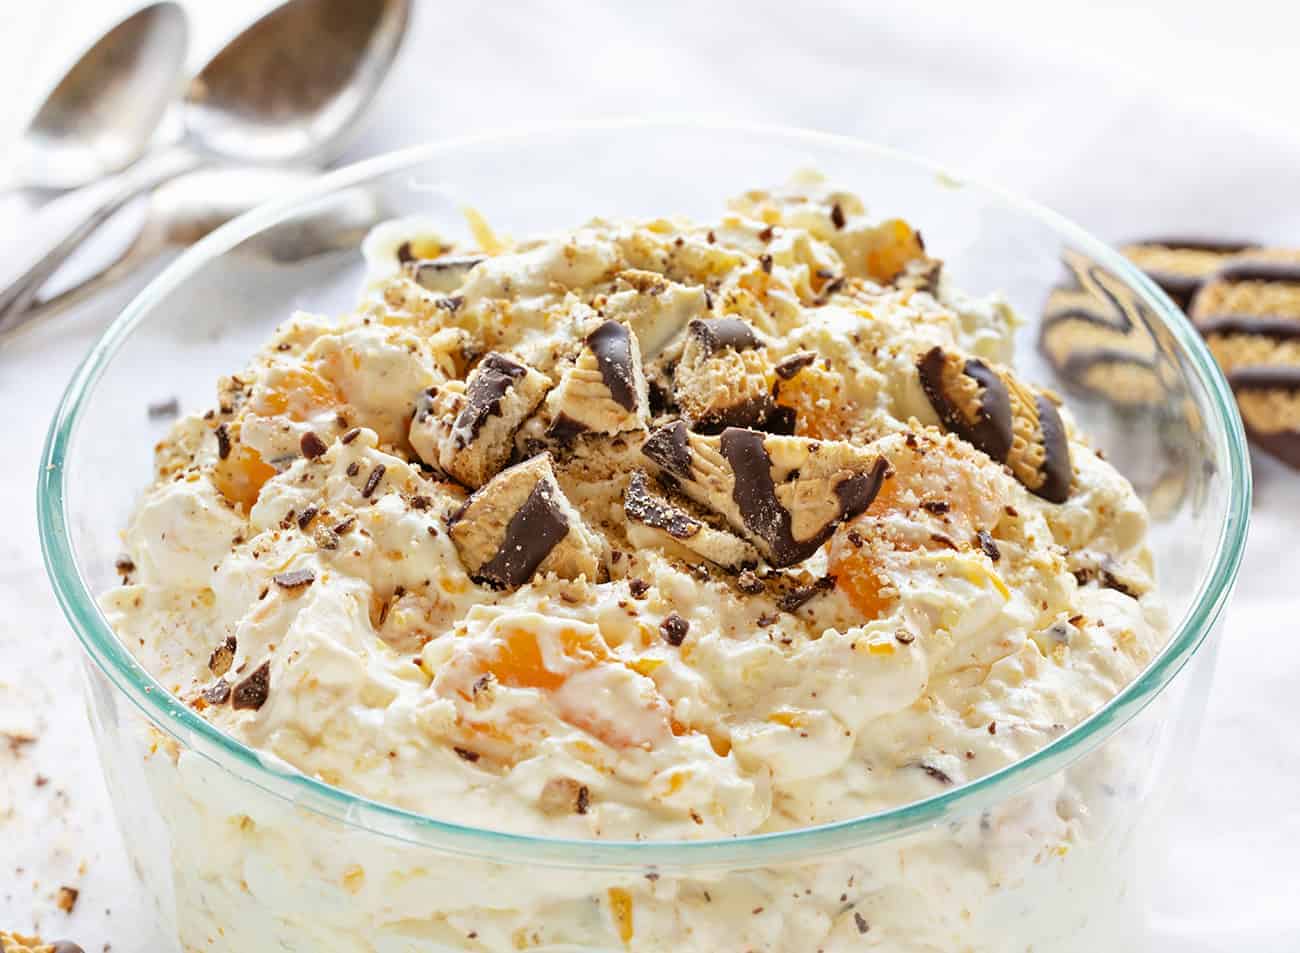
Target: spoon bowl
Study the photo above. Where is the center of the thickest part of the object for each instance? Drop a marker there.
(102, 114)
(290, 86)
(288, 89)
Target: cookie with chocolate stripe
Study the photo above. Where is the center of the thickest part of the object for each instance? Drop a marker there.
(655, 521)
(724, 377)
(519, 524)
(1249, 313)
(500, 394)
(785, 494)
(1181, 265)
(996, 413)
(1096, 337)
(604, 391)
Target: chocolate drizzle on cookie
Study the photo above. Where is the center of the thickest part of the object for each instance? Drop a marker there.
(755, 496)
(612, 345)
(488, 386)
(717, 334)
(987, 424)
(1008, 421)
(641, 505)
(536, 528)
(669, 448)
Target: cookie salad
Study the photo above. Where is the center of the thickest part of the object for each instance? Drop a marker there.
(650, 530)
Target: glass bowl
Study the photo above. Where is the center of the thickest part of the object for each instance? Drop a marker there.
(242, 853)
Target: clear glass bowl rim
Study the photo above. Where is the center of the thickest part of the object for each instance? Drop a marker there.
(192, 731)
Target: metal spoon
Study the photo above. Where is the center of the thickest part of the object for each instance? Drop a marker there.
(287, 89)
(101, 115)
(186, 209)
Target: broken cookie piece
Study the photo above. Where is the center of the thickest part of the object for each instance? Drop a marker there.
(997, 414)
(654, 521)
(500, 395)
(724, 378)
(604, 392)
(519, 524)
(785, 494)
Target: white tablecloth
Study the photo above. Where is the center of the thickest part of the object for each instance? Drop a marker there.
(1133, 119)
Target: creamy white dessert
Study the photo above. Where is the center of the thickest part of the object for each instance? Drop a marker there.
(654, 530)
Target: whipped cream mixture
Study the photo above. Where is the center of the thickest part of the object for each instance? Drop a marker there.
(649, 530)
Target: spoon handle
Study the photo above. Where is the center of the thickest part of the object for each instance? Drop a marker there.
(17, 297)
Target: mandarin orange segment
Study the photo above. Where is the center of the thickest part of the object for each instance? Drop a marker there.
(518, 662)
(821, 412)
(918, 479)
(299, 393)
(861, 581)
(620, 910)
(894, 244)
(241, 475)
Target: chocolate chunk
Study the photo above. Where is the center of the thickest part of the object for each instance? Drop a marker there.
(970, 399)
(937, 773)
(350, 435)
(674, 628)
(217, 693)
(442, 274)
(583, 801)
(919, 274)
(296, 579)
(222, 656)
(306, 516)
(717, 334)
(986, 543)
(837, 216)
(790, 367)
(520, 523)
(466, 755)
(612, 345)
(638, 588)
(372, 481)
(312, 445)
(794, 599)
(223, 442)
(165, 409)
(252, 692)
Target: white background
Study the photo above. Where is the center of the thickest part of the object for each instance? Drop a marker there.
(1133, 118)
